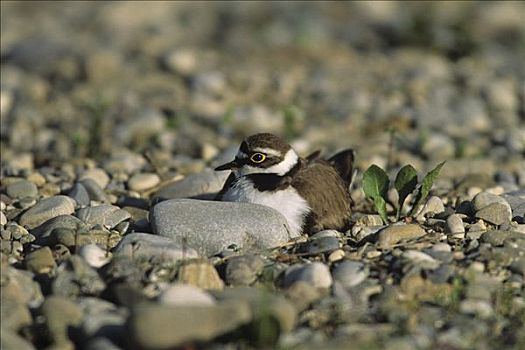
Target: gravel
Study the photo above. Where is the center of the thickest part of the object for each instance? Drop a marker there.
(109, 235)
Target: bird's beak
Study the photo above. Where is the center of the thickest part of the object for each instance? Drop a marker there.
(228, 166)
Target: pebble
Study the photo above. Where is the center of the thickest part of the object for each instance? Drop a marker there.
(123, 160)
(350, 273)
(480, 308)
(394, 234)
(181, 61)
(105, 214)
(3, 219)
(302, 295)
(323, 242)
(98, 175)
(265, 307)
(433, 205)
(336, 255)
(21, 189)
(138, 244)
(102, 319)
(143, 181)
(46, 209)
(498, 237)
(74, 277)
(200, 274)
(440, 251)
(69, 222)
(37, 178)
(421, 260)
(440, 275)
(244, 270)
(12, 340)
(316, 274)
(484, 199)
(60, 314)
(96, 193)
(19, 286)
(80, 195)
(93, 255)
(370, 220)
(100, 343)
(50, 190)
(495, 213)
(516, 200)
(362, 233)
(185, 295)
(248, 226)
(455, 226)
(15, 316)
(161, 326)
(40, 261)
(203, 185)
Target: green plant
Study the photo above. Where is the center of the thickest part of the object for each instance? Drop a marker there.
(291, 116)
(376, 184)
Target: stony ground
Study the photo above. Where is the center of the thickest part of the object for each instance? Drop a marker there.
(110, 108)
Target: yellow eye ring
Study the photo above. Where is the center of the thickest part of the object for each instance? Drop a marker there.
(257, 157)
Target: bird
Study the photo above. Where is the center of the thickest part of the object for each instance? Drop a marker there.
(311, 193)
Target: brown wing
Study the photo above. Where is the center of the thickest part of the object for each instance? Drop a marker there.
(227, 185)
(320, 184)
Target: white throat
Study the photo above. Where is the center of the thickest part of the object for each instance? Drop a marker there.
(287, 202)
(290, 160)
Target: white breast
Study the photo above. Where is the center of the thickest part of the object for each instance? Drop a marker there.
(288, 202)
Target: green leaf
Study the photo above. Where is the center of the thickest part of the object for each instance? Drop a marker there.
(405, 183)
(425, 187)
(375, 186)
(380, 205)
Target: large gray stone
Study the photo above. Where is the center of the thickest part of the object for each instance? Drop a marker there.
(210, 227)
(46, 209)
(203, 185)
(144, 244)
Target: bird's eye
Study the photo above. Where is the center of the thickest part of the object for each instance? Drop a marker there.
(257, 157)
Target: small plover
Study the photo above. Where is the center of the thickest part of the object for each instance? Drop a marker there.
(311, 193)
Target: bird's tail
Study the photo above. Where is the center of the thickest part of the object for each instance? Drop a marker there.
(343, 162)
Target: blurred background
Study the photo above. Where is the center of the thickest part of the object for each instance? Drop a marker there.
(177, 82)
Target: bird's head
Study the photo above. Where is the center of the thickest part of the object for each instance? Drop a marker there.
(262, 154)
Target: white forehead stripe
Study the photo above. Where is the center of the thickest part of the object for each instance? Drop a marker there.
(267, 151)
(289, 161)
